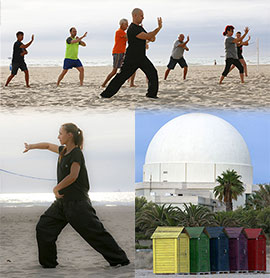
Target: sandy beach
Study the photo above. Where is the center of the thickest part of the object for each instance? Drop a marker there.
(201, 90)
(76, 258)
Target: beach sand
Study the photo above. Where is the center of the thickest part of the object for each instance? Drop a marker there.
(76, 258)
(200, 90)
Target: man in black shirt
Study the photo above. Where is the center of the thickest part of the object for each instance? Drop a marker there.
(19, 50)
(135, 57)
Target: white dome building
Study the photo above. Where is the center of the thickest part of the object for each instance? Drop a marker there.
(186, 156)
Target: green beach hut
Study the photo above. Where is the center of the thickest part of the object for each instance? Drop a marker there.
(199, 247)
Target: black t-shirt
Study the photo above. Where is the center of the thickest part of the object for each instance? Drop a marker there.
(17, 58)
(78, 190)
(136, 47)
(239, 50)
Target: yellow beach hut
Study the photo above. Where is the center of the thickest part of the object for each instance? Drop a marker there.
(170, 250)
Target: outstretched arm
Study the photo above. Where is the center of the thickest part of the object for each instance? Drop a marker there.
(79, 39)
(236, 40)
(149, 36)
(41, 146)
(28, 44)
(68, 180)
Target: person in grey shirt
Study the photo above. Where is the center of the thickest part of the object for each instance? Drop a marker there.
(231, 52)
(177, 56)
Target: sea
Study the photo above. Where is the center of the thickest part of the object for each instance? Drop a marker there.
(92, 62)
(45, 199)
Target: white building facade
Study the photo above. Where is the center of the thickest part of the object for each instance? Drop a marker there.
(186, 156)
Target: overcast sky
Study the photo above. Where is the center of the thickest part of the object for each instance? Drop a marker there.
(204, 21)
(108, 149)
(253, 126)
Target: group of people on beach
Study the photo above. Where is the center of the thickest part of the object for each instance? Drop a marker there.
(129, 59)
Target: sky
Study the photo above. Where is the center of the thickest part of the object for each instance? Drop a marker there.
(204, 21)
(253, 126)
(108, 150)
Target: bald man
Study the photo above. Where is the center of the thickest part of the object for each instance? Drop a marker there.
(177, 56)
(135, 57)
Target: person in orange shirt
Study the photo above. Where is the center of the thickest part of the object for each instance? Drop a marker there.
(118, 52)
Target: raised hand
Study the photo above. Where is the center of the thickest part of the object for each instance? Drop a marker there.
(246, 30)
(32, 38)
(187, 38)
(84, 35)
(159, 19)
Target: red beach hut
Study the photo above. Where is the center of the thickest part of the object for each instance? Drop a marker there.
(256, 249)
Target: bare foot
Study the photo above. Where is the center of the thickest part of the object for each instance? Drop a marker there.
(103, 85)
(132, 85)
(28, 86)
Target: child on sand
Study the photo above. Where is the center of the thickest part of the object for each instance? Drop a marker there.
(19, 51)
(72, 204)
(177, 56)
(231, 52)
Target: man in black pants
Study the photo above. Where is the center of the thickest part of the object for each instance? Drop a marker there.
(19, 51)
(135, 57)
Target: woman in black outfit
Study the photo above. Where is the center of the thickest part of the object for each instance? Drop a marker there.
(72, 204)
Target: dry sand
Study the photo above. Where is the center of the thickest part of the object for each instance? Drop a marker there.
(200, 90)
(76, 258)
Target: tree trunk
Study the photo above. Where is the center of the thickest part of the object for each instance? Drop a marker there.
(228, 206)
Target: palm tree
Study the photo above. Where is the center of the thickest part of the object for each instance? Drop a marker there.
(229, 188)
(261, 198)
(194, 216)
(153, 216)
(226, 219)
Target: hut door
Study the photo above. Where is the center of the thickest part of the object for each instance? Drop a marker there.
(243, 253)
(261, 254)
(184, 253)
(204, 253)
(223, 259)
(234, 256)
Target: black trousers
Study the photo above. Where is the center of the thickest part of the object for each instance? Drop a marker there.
(127, 69)
(82, 217)
(231, 61)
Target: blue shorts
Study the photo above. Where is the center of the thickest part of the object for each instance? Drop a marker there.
(118, 59)
(69, 64)
(182, 63)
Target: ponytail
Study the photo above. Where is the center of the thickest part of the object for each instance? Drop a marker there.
(77, 136)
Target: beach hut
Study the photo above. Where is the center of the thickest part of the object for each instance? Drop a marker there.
(170, 250)
(199, 249)
(219, 249)
(238, 253)
(256, 249)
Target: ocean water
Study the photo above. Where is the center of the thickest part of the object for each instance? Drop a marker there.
(195, 61)
(45, 199)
